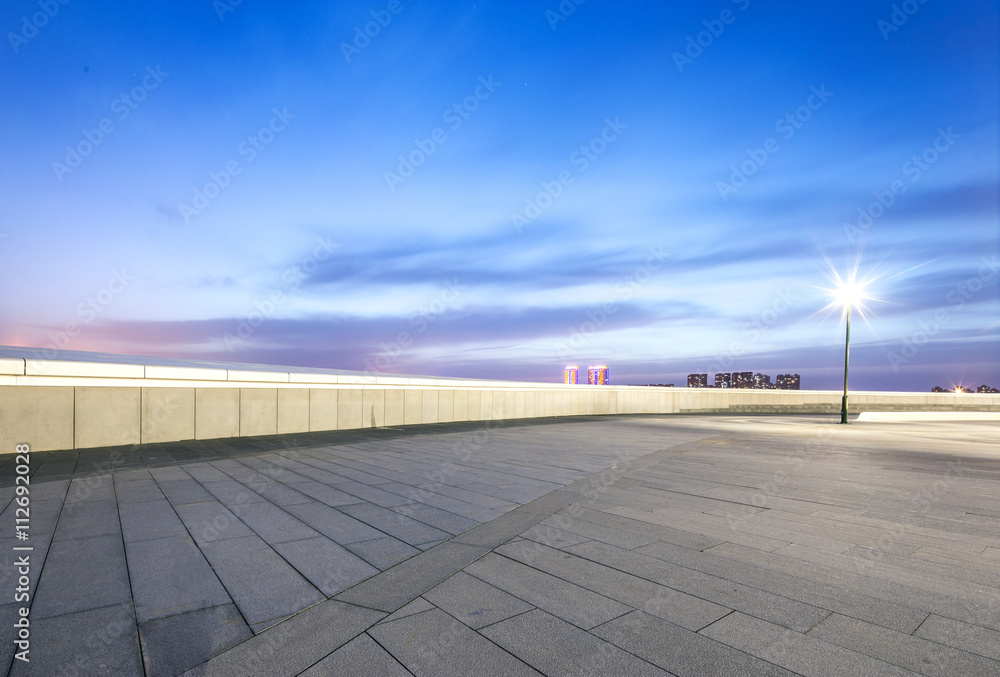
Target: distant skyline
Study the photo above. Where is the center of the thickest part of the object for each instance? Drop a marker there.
(498, 190)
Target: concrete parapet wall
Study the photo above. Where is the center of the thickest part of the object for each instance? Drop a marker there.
(67, 405)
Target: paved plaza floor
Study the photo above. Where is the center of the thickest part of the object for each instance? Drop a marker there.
(632, 545)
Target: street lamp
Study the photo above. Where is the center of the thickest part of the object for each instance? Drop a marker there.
(848, 294)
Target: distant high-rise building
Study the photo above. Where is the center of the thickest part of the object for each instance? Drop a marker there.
(572, 375)
(762, 381)
(598, 376)
(985, 389)
(697, 380)
(742, 379)
(723, 380)
(788, 381)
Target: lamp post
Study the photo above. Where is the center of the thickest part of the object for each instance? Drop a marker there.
(848, 294)
(847, 352)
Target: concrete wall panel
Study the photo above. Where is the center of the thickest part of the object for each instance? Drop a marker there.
(258, 411)
(107, 416)
(413, 406)
(216, 413)
(322, 409)
(394, 407)
(373, 409)
(498, 405)
(167, 414)
(485, 405)
(446, 406)
(475, 405)
(293, 410)
(349, 409)
(429, 412)
(41, 417)
(461, 408)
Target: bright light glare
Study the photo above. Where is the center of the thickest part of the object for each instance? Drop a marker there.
(849, 293)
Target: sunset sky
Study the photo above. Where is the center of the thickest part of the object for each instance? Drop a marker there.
(498, 189)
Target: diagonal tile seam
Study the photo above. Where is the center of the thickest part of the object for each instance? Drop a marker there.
(388, 591)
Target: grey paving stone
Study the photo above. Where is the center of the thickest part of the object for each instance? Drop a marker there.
(554, 647)
(82, 574)
(170, 576)
(626, 533)
(290, 647)
(92, 488)
(42, 516)
(96, 642)
(371, 494)
(334, 524)
(210, 522)
(48, 490)
(136, 491)
(499, 529)
(680, 651)
(361, 657)
(325, 564)
(282, 494)
(667, 603)
(325, 494)
(817, 594)
(793, 650)
(570, 602)
(912, 653)
(177, 643)
(440, 519)
(406, 581)
(415, 607)
(85, 520)
(168, 474)
(231, 493)
(972, 638)
(395, 524)
(272, 523)
(553, 536)
(779, 609)
(262, 584)
(149, 520)
(383, 552)
(204, 472)
(434, 643)
(475, 603)
(179, 492)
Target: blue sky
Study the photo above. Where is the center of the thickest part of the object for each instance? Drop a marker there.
(498, 189)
